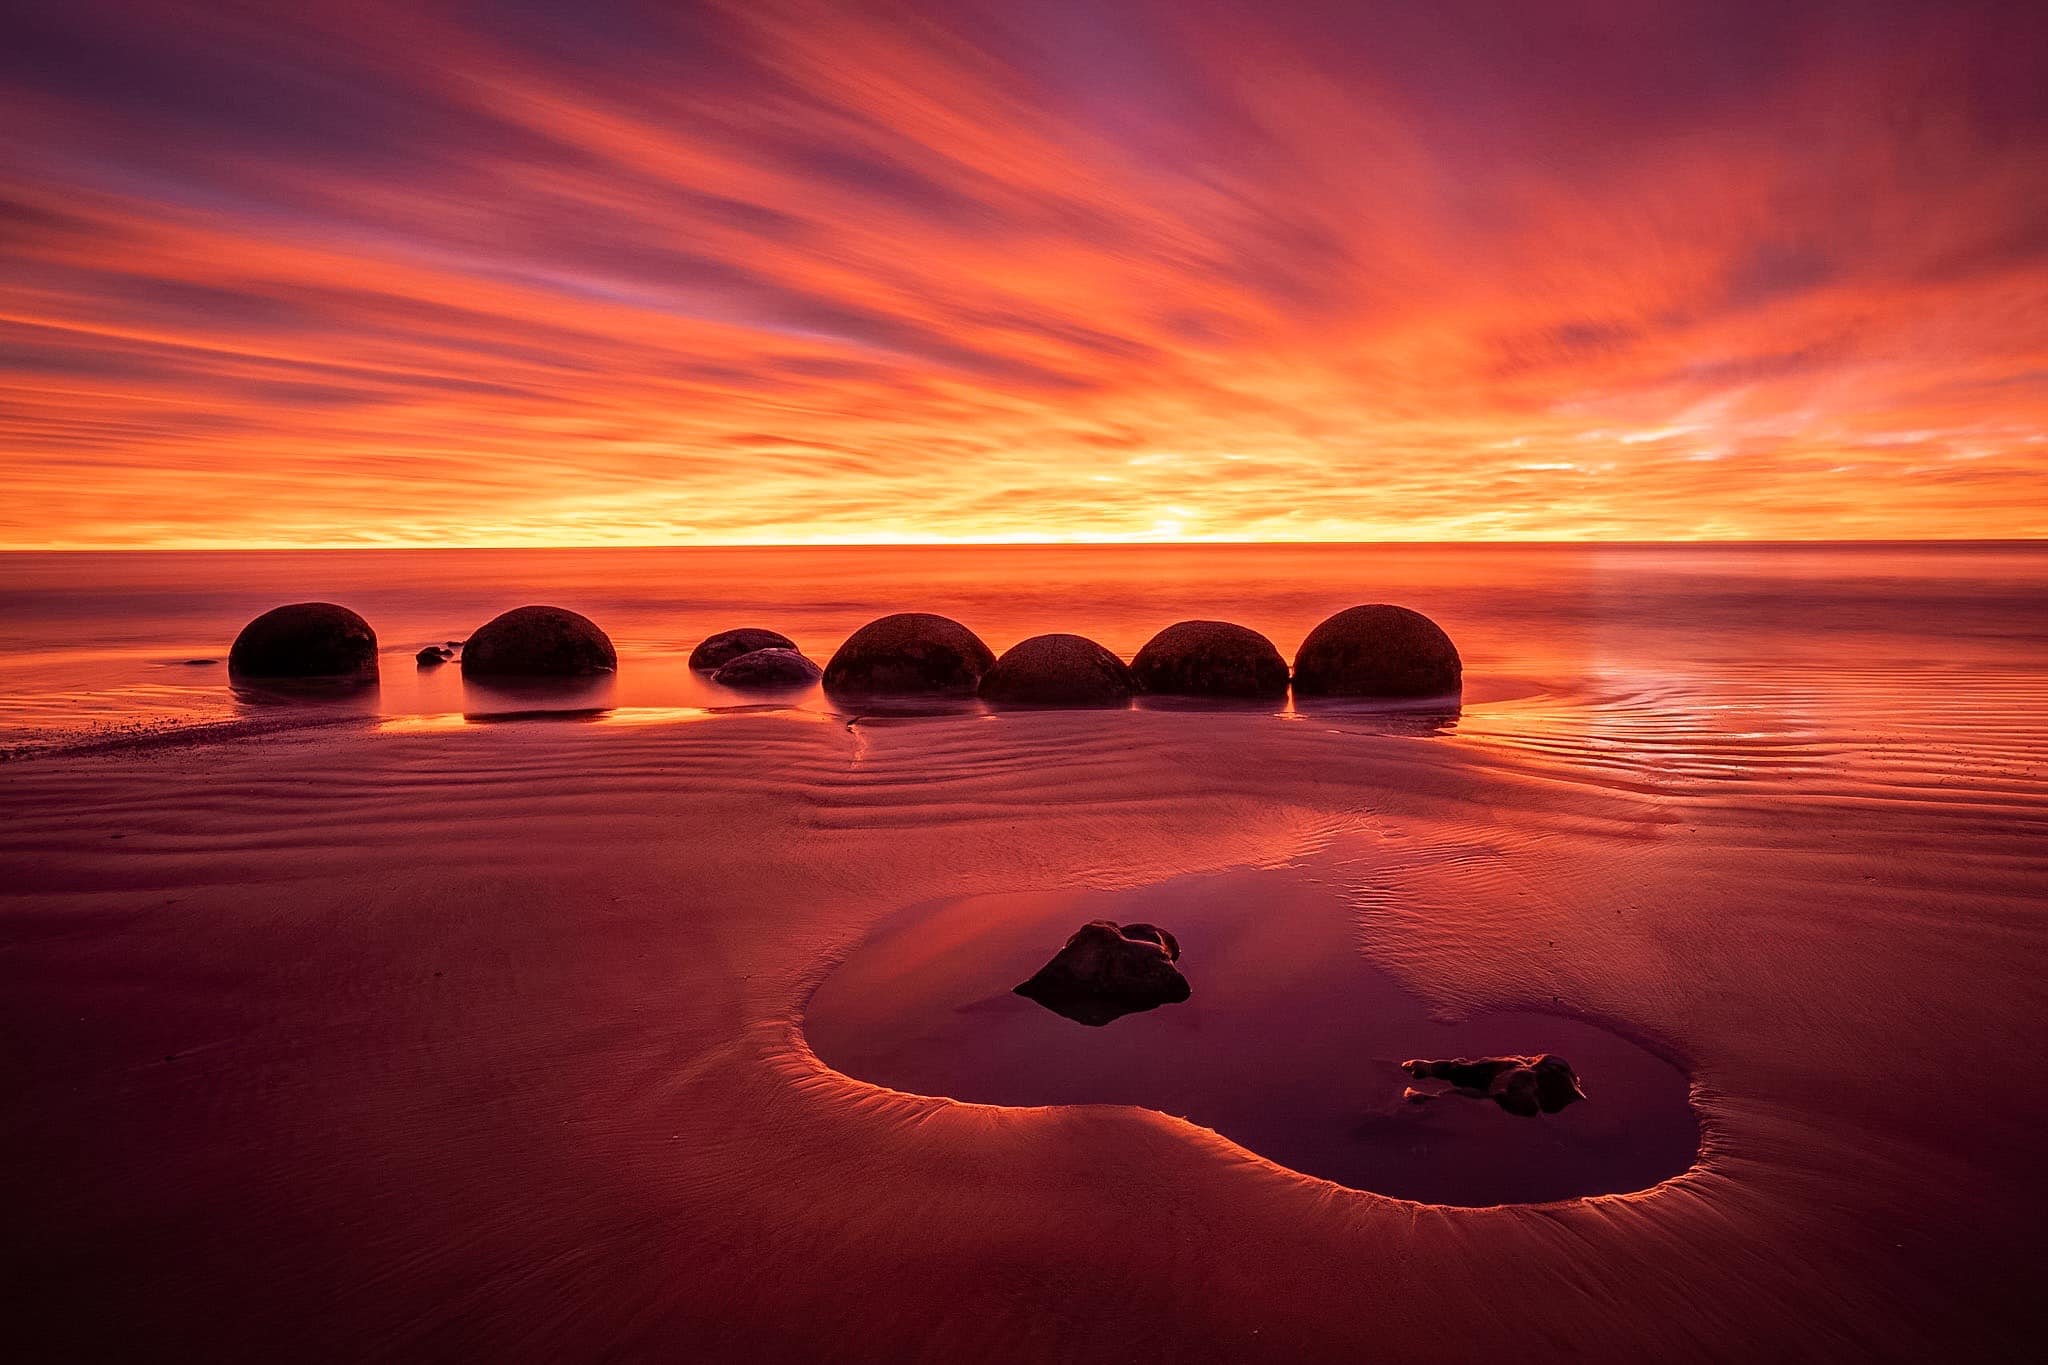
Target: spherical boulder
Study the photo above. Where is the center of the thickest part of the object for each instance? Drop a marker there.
(1377, 651)
(912, 653)
(1210, 659)
(1057, 670)
(305, 640)
(721, 649)
(766, 670)
(538, 642)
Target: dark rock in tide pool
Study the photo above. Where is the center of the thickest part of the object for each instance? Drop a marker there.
(433, 656)
(767, 670)
(1210, 659)
(1107, 970)
(1377, 651)
(912, 653)
(721, 649)
(1057, 670)
(305, 640)
(1521, 1085)
(538, 642)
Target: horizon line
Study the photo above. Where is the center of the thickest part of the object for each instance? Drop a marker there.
(997, 544)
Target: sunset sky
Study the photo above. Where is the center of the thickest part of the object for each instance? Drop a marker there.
(335, 273)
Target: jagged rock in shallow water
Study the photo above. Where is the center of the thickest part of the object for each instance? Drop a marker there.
(912, 653)
(1521, 1085)
(721, 649)
(538, 642)
(1210, 659)
(767, 669)
(1107, 970)
(1377, 651)
(1057, 670)
(433, 656)
(305, 640)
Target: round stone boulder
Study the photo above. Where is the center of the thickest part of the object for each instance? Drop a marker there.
(1210, 659)
(1108, 970)
(912, 653)
(538, 642)
(433, 656)
(1377, 651)
(305, 640)
(721, 649)
(1057, 670)
(767, 670)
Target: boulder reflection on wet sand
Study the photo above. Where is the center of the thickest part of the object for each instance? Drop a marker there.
(1107, 970)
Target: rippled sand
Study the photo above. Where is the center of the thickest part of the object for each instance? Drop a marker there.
(485, 1041)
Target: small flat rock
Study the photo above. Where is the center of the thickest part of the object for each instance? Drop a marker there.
(1526, 1086)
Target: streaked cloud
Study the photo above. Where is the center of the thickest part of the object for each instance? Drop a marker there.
(775, 270)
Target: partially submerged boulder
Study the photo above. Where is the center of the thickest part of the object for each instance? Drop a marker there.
(767, 669)
(1377, 650)
(1107, 970)
(1210, 659)
(305, 640)
(1521, 1085)
(721, 649)
(538, 642)
(433, 656)
(1058, 670)
(912, 653)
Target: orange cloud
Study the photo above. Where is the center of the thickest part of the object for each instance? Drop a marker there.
(795, 272)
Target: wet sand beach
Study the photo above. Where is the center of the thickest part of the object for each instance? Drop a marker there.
(405, 1037)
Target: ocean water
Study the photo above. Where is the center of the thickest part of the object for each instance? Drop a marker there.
(1593, 646)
